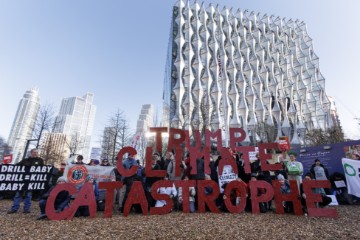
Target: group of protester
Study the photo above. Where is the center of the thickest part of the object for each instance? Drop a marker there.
(291, 170)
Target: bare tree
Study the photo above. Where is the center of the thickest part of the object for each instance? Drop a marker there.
(317, 137)
(266, 132)
(107, 144)
(51, 150)
(49, 143)
(116, 135)
(75, 143)
(45, 122)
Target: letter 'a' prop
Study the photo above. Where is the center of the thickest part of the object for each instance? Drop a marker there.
(136, 196)
(227, 159)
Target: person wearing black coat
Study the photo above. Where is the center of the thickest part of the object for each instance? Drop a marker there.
(33, 160)
(319, 171)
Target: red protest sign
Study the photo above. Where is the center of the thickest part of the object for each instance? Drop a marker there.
(7, 159)
(284, 143)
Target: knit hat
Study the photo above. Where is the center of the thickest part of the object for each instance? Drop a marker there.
(280, 177)
(292, 153)
(61, 179)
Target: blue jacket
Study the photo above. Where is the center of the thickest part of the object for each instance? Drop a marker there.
(128, 163)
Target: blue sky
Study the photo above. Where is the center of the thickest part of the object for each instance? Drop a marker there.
(117, 50)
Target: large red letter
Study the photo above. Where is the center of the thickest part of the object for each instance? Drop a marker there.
(177, 161)
(175, 142)
(255, 199)
(125, 172)
(227, 159)
(50, 204)
(209, 200)
(197, 140)
(85, 197)
(148, 168)
(196, 153)
(240, 186)
(157, 196)
(293, 197)
(245, 150)
(136, 196)
(312, 198)
(109, 197)
(184, 185)
(209, 135)
(264, 156)
(158, 131)
(233, 139)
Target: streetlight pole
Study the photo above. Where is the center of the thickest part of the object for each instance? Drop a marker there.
(27, 146)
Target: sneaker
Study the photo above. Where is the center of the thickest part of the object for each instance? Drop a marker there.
(11, 211)
(26, 211)
(42, 217)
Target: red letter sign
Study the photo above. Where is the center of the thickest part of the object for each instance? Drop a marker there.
(126, 172)
(109, 197)
(312, 198)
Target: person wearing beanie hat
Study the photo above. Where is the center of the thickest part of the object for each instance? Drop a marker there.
(61, 180)
(105, 162)
(280, 177)
(61, 202)
(285, 189)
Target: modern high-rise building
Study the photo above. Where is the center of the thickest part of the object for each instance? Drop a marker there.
(24, 123)
(232, 68)
(146, 118)
(144, 122)
(76, 119)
